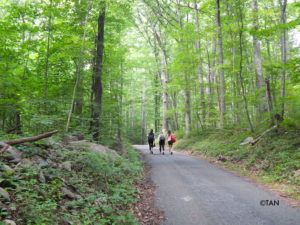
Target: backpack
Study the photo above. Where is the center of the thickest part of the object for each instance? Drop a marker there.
(162, 137)
(151, 136)
(173, 138)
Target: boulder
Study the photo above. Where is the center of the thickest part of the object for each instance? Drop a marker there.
(69, 193)
(9, 222)
(7, 168)
(4, 194)
(89, 146)
(3, 146)
(12, 153)
(26, 162)
(53, 143)
(67, 166)
(42, 178)
(247, 141)
(39, 161)
(12, 208)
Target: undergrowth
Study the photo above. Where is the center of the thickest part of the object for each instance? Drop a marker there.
(103, 184)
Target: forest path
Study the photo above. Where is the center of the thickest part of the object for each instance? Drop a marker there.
(194, 192)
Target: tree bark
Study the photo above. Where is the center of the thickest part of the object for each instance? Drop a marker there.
(47, 59)
(210, 83)
(97, 76)
(157, 102)
(241, 27)
(221, 67)
(187, 111)
(143, 112)
(164, 81)
(270, 102)
(31, 139)
(200, 67)
(260, 85)
(283, 41)
(77, 99)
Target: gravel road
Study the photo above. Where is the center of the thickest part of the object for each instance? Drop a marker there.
(194, 192)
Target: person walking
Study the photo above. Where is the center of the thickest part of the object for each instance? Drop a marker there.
(171, 140)
(162, 140)
(151, 139)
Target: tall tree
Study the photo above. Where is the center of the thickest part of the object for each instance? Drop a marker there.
(260, 84)
(283, 41)
(97, 75)
(46, 72)
(221, 66)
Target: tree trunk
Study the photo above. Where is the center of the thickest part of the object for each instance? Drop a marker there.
(270, 103)
(187, 111)
(260, 85)
(241, 27)
(157, 102)
(30, 139)
(47, 59)
(157, 94)
(283, 41)
(77, 96)
(221, 67)
(97, 76)
(210, 82)
(164, 81)
(18, 123)
(143, 101)
(200, 68)
(173, 99)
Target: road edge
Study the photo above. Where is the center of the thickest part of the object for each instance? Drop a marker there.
(252, 179)
(145, 211)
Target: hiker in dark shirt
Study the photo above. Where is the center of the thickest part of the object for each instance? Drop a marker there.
(151, 139)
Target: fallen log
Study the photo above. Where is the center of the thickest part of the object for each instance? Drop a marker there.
(31, 139)
(257, 139)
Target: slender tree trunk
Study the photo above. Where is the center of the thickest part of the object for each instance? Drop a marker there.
(77, 99)
(270, 103)
(200, 67)
(210, 83)
(241, 27)
(187, 98)
(221, 67)
(173, 98)
(164, 81)
(97, 75)
(213, 76)
(18, 123)
(260, 85)
(157, 95)
(143, 101)
(49, 27)
(157, 102)
(283, 41)
(120, 107)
